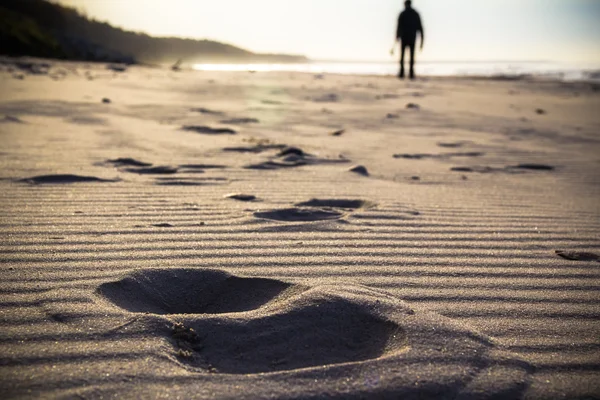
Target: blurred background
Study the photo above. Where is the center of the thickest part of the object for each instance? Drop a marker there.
(467, 37)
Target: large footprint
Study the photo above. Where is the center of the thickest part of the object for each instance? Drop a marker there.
(333, 336)
(314, 210)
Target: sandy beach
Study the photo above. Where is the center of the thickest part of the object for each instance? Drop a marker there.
(295, 236)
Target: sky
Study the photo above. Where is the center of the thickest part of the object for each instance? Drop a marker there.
(455, 30)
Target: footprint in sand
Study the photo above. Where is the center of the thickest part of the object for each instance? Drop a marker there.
(337, 203)
(241, 197)
(191, 291)
(312, 330)
(162, 170)
(292, 151)
(514, 169)
(271, 102)
(414, 156)
(208, 130)
(203, 110)
(315, 210)
(240, 121)
(453, 145)
(127, 162)
(421, 156)
(477, 169)
(255, 149)
(64, 179)
(297, 214)
(327, 98)
(291, 157)
(190, 181)
(9, 119)
(387, 96)
(164, 225)
(534, 167)
(201, 167)
(290, 162)
(463, 154)
(224, 324)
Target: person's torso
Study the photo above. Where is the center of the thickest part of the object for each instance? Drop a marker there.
(409, 24)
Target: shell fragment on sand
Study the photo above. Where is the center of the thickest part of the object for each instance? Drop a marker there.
(578, 255)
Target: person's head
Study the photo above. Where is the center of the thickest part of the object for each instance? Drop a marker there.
(408, 4)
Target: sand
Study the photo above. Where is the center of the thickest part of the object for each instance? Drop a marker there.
(274, 235)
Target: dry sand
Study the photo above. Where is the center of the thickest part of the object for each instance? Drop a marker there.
(249, 235)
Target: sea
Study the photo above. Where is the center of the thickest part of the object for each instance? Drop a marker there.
(507, 70)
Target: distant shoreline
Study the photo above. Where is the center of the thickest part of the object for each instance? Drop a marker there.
(28, 64)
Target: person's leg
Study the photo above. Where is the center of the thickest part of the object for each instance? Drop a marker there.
(412, 60)
(402, 48)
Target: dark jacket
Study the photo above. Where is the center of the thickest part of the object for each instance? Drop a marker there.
(409, 23)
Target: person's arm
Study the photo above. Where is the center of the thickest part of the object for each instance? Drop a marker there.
(422, 31)
(399, 27)
(398, 34)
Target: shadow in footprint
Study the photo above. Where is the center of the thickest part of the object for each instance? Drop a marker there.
(326, 332)
(336, 203)
(192, 291)
(190, 181)
(163, 170)
(299, 214)
(208, 130)
(203, 110)
(202, 166)
(533, 167)
(241, 197)
(127, 162)
(286, 163)
(414, 156)
(255, 149)
(359, 170)
(515, 169)
(420, 156)
(163, 225)
(453, 145)
(291, 157)
(477, 169)
(89, 120)
(240, 121)
(64, 179)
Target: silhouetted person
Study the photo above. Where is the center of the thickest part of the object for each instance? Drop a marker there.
(409, 24)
